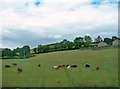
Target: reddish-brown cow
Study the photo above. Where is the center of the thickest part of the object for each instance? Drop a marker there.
(97, 67)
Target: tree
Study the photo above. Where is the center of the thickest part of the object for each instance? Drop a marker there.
(78, 41)
(7, 53)
(114, 38)
(108, 41)
(98, 39)
(40, 48)
(26, 49)
(16, 51)
(43, 48)
(35, 50)
(70, 45)
(65, 44)
(57, 46)
(88, 40)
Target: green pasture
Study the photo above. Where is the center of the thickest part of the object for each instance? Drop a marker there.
(45, 76)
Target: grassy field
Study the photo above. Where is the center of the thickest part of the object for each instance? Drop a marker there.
(45, 76)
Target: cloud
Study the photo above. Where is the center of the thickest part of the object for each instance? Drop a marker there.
(36, 22)
(54, 36)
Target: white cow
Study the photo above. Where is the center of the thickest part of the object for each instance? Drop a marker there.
(68, 67)
(55, 67)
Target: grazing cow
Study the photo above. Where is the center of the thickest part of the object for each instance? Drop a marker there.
(74, 66)
(59, 66)
(71, 66)
(55, 67)
(39, 65)
(64, 65)
(87, 66)
(67, 65)
(14, 64)
(7, 66)
(97, 67)
(19, 70)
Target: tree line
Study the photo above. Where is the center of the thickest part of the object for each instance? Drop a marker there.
(17, 53)
(77, 43)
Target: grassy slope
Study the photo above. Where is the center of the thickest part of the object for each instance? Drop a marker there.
(45, 76)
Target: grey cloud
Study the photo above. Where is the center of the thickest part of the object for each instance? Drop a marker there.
(25, 37)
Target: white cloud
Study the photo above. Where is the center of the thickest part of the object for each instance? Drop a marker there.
(54, 36)
(55, 18)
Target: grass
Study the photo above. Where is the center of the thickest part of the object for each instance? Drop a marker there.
(45, 76)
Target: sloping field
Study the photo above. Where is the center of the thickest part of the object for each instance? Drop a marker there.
(45, 76)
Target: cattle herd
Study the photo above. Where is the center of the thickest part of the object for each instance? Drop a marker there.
(64, 66)
(14, 64)
(67, 66)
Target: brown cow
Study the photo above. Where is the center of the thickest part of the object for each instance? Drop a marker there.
(7, 66)
(65, 65)
(97, 67)
(19, 70)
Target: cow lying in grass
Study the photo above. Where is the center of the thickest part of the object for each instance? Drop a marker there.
(19, 70)
(55, 67)
(7, 66)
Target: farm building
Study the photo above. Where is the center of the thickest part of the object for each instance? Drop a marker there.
(102, 44)
(116, 42)
(31, 51)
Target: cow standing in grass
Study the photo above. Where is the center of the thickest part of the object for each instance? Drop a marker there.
(39, 65)
(97, 67)
(67, 65)
(87, 66)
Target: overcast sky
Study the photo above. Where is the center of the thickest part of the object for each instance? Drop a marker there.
(33, 22)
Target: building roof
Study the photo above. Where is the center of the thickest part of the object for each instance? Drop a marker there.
(102, 44)
(116, 42)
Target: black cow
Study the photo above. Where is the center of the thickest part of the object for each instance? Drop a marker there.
(39, 65)
(19, 70)
(74, 66)
(7, 66)
(67, 65)
(87, 66)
